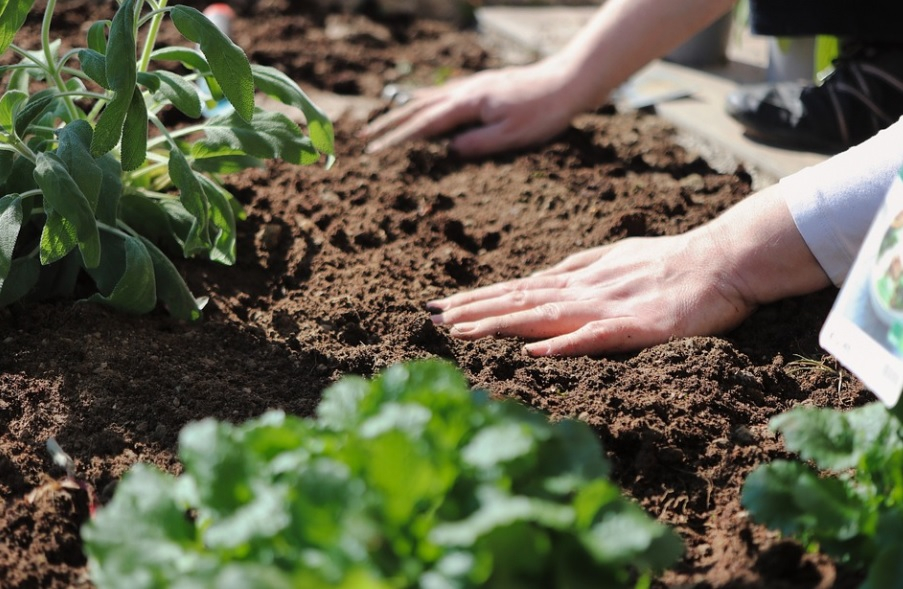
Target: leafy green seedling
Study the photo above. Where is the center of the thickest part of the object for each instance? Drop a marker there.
(408, 480)
(95, 189)
(852, 506)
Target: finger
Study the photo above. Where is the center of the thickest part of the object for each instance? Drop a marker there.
(510, 302)
(486, 140)
(607, 336)
(545, 321)
(493, 291)
(574, 262)
(434, 120)
(396, 116)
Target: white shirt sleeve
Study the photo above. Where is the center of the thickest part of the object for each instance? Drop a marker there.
(833, 203)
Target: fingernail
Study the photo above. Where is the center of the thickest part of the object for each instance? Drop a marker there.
(434, 307)
(538, 349)
(437, 319)
(461, 329)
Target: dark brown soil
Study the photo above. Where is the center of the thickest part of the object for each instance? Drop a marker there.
(334, 268)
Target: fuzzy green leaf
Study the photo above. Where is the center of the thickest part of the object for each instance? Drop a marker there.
(94, 65)
(12, 17)
(228, 63)
(180, 92)
(165, 223)
(9, 105)
(149, 80)
(134, 133)
(190, 58)
(11, 218)
(75, 152)
(271, 135)
(6, 166)
(274, 83)
(36, 105)
(108, 130)
(65, 197)
(125, 276)
(227, 163)
(110, 189)
(22, 277)
(97, 38)
(121, 64)
(171, 288)
(58, 237)
(194, 199)
(223, 221)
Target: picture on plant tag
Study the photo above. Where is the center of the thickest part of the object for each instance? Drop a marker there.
(864, 329)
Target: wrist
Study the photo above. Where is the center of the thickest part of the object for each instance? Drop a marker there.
(764, 256)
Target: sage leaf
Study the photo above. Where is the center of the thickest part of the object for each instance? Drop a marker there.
(275, 83)
(65, 197)
(223, 221)
(108, 130)
(121, 65)
(11, 218)
(271, 135)
(6, 167)
(21, 279)
(171, 288)
(58, 237)
(94, 64)
(9, 105)
(126, 277)
(181, 93)
(31, 109)
(12, 17)
(74, 151)
(134, 133)
(228, 63)
(193, 198)
(190, 58)
(149, 80)
(97, 38)
(107, 210)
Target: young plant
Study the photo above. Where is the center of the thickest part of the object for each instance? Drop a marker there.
(92, 183)
(854, 512)
(408, 480)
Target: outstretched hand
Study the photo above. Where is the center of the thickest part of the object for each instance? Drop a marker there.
(621, 297)
(504, 109)
(646, 290)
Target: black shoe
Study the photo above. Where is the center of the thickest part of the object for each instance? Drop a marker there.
(863, 95)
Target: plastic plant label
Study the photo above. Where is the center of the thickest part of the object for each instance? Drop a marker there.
(864, 329)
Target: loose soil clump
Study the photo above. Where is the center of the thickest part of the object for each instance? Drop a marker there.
(334, 268)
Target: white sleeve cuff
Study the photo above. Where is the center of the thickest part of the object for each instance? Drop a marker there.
(833, 203)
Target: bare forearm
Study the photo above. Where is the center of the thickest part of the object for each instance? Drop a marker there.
(624, 36)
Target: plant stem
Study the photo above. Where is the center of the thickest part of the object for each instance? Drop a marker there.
(14, 144)
(151, 39)
(51, 66)
(169, 136)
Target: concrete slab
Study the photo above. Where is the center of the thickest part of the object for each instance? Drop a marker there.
(691, 98)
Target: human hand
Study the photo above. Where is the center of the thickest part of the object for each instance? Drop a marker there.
(615, 298)
(512, 107)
